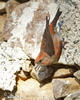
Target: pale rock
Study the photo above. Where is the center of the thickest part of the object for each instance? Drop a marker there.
(2, 21)
(11, 60)
(27, 66)
(11, 5)
(3, 98)
(62, 59)
(77, 74)
(31, 90)
(70, 31)
(73, 0)
(73, 96)
(25, 25)
(77, 15)
(63, 72)
(41, 73)
(2, 7)
(22, 75)
(65, 86)
(44, 1)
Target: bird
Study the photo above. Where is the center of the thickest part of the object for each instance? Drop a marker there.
(51, 44)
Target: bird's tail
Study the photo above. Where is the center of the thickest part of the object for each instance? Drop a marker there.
(56, 18)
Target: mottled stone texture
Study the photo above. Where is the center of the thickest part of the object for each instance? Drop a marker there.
(63, 87)
(11, 5)
(71, 31)
(11, 60)
(2, 7)
(73, 96)
(25, 25)
(77, 74)
(31, 90)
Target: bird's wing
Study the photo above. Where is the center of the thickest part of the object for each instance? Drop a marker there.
(47, 42)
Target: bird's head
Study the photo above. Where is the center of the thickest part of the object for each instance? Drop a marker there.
(43, 59)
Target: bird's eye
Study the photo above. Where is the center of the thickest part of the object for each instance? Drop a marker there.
(40, 61)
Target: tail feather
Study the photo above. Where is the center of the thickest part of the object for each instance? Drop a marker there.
(56, 18)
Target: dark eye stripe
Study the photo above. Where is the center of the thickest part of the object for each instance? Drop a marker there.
(40, 61)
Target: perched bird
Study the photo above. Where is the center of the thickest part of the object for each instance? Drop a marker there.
(51, 44)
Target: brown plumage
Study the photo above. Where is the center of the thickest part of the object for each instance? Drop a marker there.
(51, 44)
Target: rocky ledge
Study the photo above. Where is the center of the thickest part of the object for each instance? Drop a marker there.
(22, 27)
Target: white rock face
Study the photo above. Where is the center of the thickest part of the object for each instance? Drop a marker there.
(31, 90)
(72, 96)
(65, 86)
(11, 60)
(71, 31)
(26, 25)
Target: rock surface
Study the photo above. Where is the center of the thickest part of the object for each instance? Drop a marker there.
(24, 28)
(77, 75)
(44, 1)
(2, 21)
(11, 5)
(63, 87)
(25, 25)
(30, 90)
(71, 31)
(11, 60)
(73, 96)
(2, 7)
(22, 75)
(63, 72)
(23, 31)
